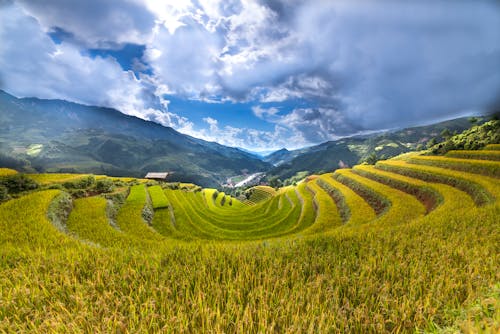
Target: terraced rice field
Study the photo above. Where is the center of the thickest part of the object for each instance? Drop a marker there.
(259, 194)
(402, 246)
(7, 171)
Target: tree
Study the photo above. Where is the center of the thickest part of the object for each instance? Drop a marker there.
(18, 183)
(104, 186)
(473, 120)
(4, 194)
(275, 182)
(370, 160)
(431, 142)
(446, 133)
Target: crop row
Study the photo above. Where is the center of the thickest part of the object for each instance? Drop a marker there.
(481, 155)
(391, 193)
(428, 261)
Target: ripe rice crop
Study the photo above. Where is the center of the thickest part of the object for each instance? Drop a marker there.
(401, 207)
(50, 178)
(482, 155)
(360, 211)
(480, 188)
(484, 167)
(495, 147)
(425, 193)
(7, 172)
(291, 263)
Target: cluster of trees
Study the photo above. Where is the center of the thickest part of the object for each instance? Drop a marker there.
(89, 186)
(372, 159)
(472, 139)
(15, 184)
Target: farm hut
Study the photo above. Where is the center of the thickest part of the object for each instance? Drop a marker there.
(157, 176)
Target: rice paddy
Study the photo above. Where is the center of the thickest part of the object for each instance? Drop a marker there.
(403, 246)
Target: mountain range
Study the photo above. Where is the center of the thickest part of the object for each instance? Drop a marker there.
(347, 152)
(60, 136)
(38, 135)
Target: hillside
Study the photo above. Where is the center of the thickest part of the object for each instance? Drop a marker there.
(59, 136)
(349, 151)
(402, 246)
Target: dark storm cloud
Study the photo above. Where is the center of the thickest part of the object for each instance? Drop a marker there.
(381, 64)
(95, 23)
(397, 63)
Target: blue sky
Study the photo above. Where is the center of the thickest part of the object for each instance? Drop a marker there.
(258, 74)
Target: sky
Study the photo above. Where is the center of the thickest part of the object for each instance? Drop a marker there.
(257, 74)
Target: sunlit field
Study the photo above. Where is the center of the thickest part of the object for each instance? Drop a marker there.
(402, 246)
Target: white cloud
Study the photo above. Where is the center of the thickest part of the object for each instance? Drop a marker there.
(392, 64)
(43, 69)
(185, 61)
(169, 13)
(264, 113)
(363, 65)
(370, 61)
(247, 138)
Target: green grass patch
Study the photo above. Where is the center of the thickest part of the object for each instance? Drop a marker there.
(158, 197)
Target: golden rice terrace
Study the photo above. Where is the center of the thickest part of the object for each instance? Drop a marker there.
(402, 246)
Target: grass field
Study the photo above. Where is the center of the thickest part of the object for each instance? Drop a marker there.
(405, 246)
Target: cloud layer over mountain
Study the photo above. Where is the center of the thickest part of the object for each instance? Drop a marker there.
(309, 71)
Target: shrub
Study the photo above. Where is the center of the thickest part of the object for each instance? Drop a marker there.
(147, 214)
(133, 182)
(431, 142)
(18, 183)
(56, 186)
(83, 183)
(104, 186)
(119, 183)
(4, 193)
(275, 182)
(78, 193)
(172, 185)
(370, 160)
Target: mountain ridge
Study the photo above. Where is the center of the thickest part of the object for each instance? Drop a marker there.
(61, 136)
(348, 151)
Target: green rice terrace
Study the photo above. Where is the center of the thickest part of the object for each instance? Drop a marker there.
(410, 244)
